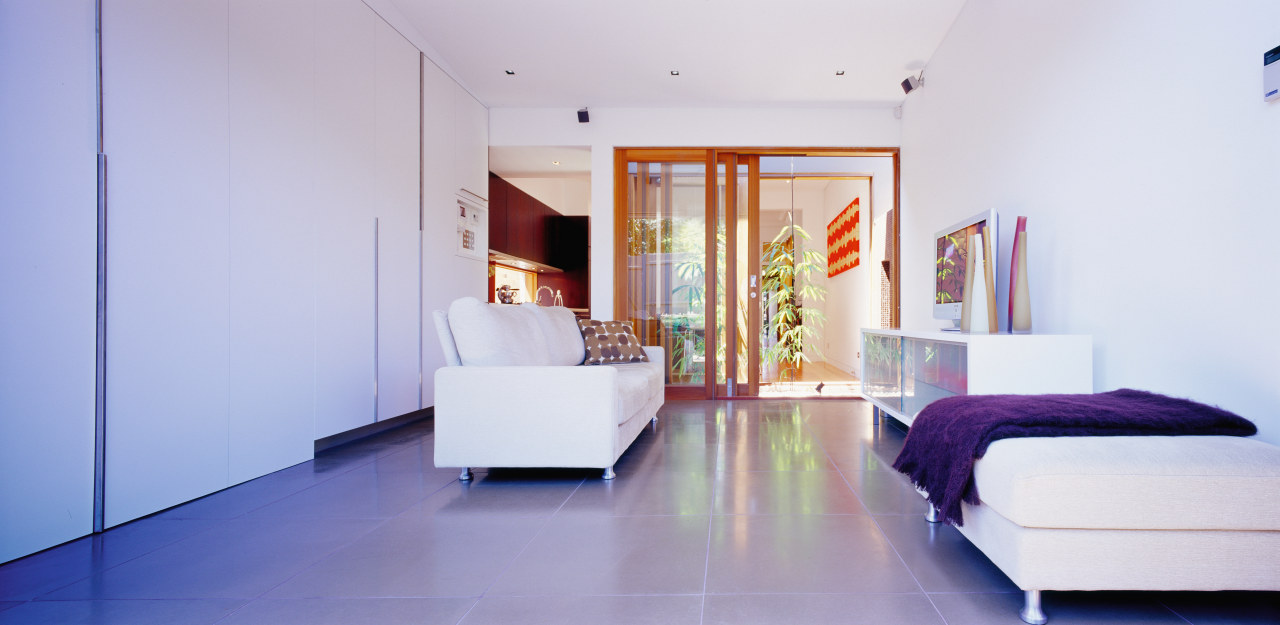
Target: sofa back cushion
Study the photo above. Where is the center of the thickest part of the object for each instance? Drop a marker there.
(496, 335)
(560, 330)
(447, 345)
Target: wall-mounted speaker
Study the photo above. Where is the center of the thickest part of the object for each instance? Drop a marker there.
(583, 117)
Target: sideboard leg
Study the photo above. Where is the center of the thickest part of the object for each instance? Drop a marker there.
(465, 476)
(875, 415)
(1031, 612)
(608, 473)
(932, 515)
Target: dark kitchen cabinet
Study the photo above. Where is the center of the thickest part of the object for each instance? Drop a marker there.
(522, 227)
(497, 213)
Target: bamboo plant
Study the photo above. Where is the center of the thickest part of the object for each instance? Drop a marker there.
(795, 320)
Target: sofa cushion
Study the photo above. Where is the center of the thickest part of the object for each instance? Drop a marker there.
(560, 330)
(637, 384)
(610, 342)
(447, 345)
(496, 335)
(1133, 482)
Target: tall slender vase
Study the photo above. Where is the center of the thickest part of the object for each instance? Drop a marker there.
(1014, 269)
(966, 302)
(1020, 297)
(975, 294)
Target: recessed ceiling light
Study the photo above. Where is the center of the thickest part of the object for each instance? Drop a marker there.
(839, 72)
(511, 73)
(555, 162)
(675, 72)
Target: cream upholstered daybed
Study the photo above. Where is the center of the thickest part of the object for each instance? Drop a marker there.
(1123, 490)
(1128, 513)
(516, 394)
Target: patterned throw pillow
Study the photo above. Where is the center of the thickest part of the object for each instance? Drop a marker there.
(610, 342)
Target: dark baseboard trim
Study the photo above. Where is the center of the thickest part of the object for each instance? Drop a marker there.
(364, 431)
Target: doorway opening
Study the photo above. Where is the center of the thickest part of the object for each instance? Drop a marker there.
(756, 269)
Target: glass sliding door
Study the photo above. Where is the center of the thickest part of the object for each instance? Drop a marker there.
(720, 260)
(663, 279)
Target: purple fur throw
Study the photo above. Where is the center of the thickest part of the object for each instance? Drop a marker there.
(950, 434)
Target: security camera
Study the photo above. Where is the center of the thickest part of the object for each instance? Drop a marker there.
(910, 84)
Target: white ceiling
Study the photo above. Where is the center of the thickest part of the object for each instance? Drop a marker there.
(540, 161)
(730, 53)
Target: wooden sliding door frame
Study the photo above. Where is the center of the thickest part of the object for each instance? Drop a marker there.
(730, 157)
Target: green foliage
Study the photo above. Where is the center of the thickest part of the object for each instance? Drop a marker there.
(950, 268)
(793, 324)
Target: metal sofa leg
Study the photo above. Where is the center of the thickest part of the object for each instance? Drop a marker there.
(608, 473)
(466, 475)
(1031, 612)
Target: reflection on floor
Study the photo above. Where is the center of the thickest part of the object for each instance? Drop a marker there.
(835, 382)
(728, 512)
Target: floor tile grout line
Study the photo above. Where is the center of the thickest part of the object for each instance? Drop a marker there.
(156, 516)
(1175, 612)
(212, 524)
(314, 563)
(484, 593)
(879, 527)
(337, 548)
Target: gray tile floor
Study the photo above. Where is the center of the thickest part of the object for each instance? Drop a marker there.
(736, 513)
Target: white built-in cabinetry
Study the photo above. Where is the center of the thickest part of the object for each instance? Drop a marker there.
(471, 145)
(447, 276)
(268, 253)
(397, 170)
(282, 197)
(166, 123)
(904, 371)
(48, 258)
(343, 250)
(271, 310)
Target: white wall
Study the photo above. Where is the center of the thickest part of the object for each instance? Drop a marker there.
(48, 264)
(610, 128)
(848, 296)
(853, 297)
(1135, 137)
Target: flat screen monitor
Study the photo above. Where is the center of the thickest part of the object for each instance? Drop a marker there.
(952, 246)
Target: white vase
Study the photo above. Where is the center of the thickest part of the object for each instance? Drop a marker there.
(989, 272)
(966, 304)
(975, 295)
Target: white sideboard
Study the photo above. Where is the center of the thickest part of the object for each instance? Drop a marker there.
(903, 371)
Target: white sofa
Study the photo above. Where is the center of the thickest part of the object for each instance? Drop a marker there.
(514, 393)
(1128, 513)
